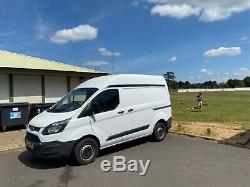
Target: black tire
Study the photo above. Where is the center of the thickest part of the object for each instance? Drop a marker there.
(85, 151)
(160, 132)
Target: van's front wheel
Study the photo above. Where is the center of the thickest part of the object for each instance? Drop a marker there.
(160, 132)
(85, 151)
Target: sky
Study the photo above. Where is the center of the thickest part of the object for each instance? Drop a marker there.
(198, 40)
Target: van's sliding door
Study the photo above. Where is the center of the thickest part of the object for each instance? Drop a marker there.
(138, 107)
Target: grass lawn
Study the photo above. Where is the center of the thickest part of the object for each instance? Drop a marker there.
(222, 107)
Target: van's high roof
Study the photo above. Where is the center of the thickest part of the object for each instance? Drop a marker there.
(123, 79)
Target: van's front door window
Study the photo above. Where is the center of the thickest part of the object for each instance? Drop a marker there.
(73, 100)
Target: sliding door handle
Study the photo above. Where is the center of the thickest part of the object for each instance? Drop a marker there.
(130, 110)
(121, 112)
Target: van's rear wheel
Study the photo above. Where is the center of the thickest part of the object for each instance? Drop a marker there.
(85, 151)
(160, 132)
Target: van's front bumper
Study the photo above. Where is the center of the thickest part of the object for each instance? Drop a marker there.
(48, 149)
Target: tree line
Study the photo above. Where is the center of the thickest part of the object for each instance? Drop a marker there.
(231, 83)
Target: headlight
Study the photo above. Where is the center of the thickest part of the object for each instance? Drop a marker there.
(56, 127)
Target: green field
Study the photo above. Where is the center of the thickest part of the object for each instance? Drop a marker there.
(222, 107)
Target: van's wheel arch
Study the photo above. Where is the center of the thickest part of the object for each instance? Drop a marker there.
(160, 131)
(85, 151)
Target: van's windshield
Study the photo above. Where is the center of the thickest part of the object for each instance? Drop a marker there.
(73, 100)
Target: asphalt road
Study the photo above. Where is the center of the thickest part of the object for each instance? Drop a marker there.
(178, 161)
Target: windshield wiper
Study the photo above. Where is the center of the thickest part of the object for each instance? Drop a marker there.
(56, 110)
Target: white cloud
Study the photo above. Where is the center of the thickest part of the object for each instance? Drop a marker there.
(96, 63)
(206, 10)
(191, 77)
(134, 3)
(244, 38)
(241, 72)
(7, 34)
(43, 28)
(207, 71)
(221, 10)
(103, 51)
(222, 51)
(157, 1)
(176, 11)
(81, 32)
(172, 59)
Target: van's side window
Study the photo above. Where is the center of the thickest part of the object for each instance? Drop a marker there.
(106, 101)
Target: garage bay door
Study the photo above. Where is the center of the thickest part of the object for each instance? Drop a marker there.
(74, 82)
(27, 89)
(55, 88)
(4, 88)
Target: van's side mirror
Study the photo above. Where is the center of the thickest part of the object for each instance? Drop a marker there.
(94, 107)
(90, 110)
(87, 111)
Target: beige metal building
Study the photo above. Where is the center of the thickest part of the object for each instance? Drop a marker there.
(34, 80)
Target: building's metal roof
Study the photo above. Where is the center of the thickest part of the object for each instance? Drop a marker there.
(19, 61)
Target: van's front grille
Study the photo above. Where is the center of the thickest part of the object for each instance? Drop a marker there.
(32, 138)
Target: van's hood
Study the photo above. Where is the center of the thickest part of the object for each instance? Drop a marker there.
(46, 118)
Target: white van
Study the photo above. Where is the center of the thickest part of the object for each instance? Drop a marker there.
(100, 113)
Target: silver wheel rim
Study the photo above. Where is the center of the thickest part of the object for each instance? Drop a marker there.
(160, 132)
(87, 152)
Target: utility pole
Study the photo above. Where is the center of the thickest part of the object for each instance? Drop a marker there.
(113, 61)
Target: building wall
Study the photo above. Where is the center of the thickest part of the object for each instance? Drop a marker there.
(4, 88)
(74, 82)
(55, 88)
(27, 89)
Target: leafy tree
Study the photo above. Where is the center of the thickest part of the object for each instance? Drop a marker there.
(231, 83)
(247, 81)
(174, 85)
(197, 85)
(169, 76)
(210, 84)
(235, 83)
(170, 79)
(223, 85)
(187, 85)
(181, 84)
